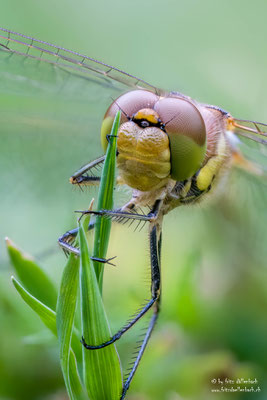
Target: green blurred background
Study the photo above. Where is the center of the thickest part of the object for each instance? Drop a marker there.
(214, 296)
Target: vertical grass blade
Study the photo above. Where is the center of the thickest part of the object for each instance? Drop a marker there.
(66, 307)
(102, 369)
(48, 317)
(105, 201)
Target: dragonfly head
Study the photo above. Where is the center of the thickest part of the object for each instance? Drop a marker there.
(159, 138)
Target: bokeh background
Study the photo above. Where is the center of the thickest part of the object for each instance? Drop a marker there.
(213, 322)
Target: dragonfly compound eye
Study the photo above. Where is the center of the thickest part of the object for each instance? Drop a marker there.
(159, 138)
(129, 104)
(187, 135)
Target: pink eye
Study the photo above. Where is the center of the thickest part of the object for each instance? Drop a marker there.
(178, 117)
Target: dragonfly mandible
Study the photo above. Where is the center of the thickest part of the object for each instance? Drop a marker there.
(172, 151)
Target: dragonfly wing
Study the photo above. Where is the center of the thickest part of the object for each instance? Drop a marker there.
(83, 65)
(252, 130)
(253, 145)
(50, 126)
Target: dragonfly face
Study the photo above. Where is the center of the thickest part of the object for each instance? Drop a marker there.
(171, 149)
(159, 138)
(170, 146)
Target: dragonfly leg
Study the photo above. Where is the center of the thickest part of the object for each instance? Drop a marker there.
(155, 253)
(127, 382)
(155, 242)
(128, 213)
(66, 242)
(81, 177)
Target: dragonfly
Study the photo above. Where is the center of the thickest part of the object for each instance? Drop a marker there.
(172, 151)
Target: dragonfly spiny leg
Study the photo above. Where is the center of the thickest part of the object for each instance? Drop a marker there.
(81, 177)
(67, 240)
(119, 214)
(104, 260)
(127, 382)
(155, 243)
(124, 329)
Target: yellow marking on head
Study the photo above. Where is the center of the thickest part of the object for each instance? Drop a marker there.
(148, 114)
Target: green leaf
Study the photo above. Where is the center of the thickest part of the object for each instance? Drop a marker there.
(66, 307)
(77, 390)
(32, 276)
(48, 317)
(105, 201)
(102, 369)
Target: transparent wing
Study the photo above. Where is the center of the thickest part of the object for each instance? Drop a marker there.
(34, 48)
(253, 130)
(252, 145)
(50, 120)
